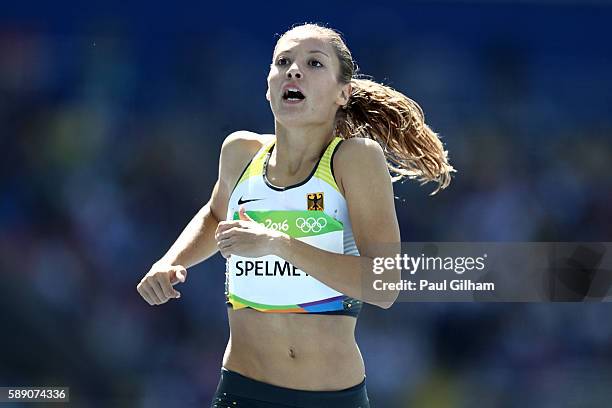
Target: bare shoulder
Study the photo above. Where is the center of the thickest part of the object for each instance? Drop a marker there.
(242, 142)
(238, 148)
(359, 147)
(358, 157)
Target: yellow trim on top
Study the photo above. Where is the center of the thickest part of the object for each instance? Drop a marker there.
(256, 165)
(324, 170)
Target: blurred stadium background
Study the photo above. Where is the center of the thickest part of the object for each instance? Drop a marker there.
(111, 121)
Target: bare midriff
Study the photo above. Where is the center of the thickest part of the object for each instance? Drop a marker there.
(292, 350)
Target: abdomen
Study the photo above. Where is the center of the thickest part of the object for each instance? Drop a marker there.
(308, 352)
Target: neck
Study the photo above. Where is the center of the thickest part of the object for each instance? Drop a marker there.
(299, 147)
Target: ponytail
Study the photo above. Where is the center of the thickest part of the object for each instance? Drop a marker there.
(397, 123)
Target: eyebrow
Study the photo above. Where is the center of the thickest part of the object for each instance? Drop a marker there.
(310, 52)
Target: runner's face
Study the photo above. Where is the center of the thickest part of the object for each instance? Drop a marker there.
(306, 62)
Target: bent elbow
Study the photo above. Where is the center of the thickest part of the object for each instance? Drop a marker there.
(384, 305)
(387, 303)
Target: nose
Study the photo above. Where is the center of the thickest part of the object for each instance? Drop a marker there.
(294, 71)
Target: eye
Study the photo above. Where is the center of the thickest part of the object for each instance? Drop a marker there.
(315, 62)
(281, 61)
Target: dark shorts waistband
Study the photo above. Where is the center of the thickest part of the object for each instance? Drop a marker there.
(233, 383)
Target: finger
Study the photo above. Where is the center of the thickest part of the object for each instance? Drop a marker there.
(241, 225)
(225, 225)
(227, 234)
(155, 285)
(226, 252)
(225, 241)
(243, 215)
(225, 245)
(164, 282)
(178, 274)
(151, 296)
(223, 237)
(143, 293)
(221, 231)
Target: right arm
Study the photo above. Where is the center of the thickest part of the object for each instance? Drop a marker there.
(196, 242)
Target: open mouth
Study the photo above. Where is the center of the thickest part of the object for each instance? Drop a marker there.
(293, 95)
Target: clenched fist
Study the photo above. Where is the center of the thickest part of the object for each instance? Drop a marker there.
(156, 286)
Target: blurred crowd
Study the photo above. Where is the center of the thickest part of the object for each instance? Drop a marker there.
(110, 141)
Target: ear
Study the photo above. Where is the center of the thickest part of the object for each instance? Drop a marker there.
(345, 94)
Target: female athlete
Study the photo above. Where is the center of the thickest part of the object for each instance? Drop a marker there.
(297, 215)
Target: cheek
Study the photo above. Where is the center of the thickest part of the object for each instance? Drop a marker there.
(328, 94)
(274, 73)
(273, 81)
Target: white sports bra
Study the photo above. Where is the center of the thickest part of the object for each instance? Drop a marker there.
(313, 211)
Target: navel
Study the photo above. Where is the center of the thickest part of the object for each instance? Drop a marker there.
(291, 352)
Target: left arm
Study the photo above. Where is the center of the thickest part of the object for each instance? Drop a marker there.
(362, 174)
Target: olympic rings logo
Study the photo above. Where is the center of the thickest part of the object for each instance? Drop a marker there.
(311, 224)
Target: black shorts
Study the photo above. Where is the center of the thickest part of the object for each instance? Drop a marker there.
(237, 391)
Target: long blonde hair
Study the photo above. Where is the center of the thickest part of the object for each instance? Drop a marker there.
(379, 112)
